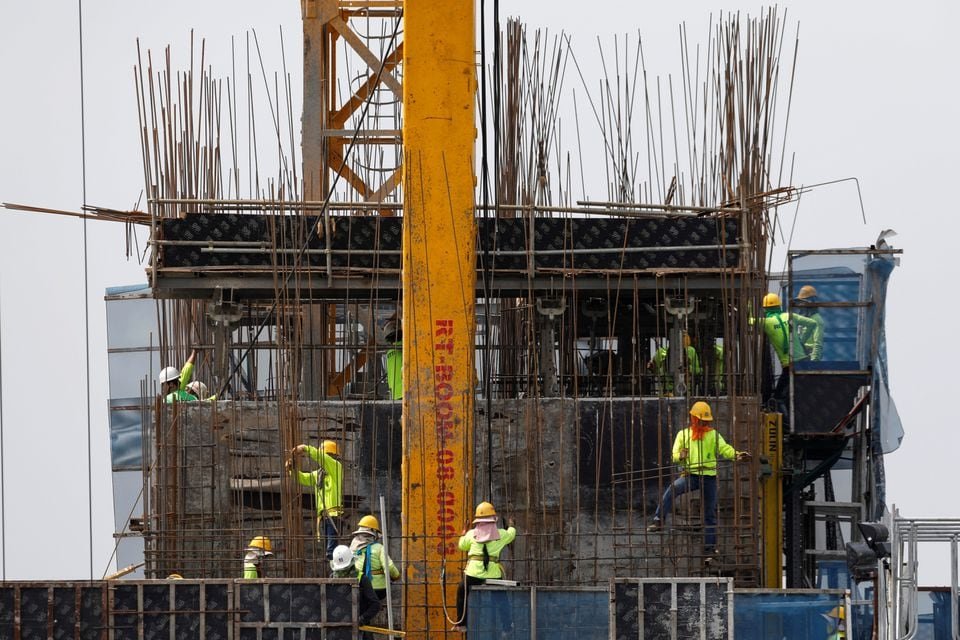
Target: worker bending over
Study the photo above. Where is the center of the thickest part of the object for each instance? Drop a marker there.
(327, 483)
(696, 450)
(483, 543)
(258, 549)
(370, 557)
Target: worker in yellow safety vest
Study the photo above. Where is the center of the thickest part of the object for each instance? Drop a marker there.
(327, 483)
(784, 331)
(370, 557)
(811, 338)
(484, 544)
(696, 449)
(258, 549)
(173, 382)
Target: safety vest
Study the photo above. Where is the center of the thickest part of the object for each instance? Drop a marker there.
(660, 359)
(701, 454)
(369, 562)
(181, 394)
(474, 549)
(395, 372)
(812, 337)
(329, 493)
(776, 325)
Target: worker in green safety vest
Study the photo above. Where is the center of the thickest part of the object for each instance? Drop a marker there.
(173, 382)
(484, 544)
(660, 366)
(342, 566)
(393, 337)
(370, 556)
(258, 549)
(327, 483)
(784, 331)
(812, 338)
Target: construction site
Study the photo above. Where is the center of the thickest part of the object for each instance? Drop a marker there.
(423, 284)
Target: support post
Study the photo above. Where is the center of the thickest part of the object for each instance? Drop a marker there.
(439, 281)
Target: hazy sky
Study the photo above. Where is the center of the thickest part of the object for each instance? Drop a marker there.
(875, 98)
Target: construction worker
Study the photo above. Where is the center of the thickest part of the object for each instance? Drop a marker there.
(660, 364)
(341, 566)
(173, 382)
(484, 544)
(200, 391)
(258, 549)
(370, 557)
(696, 450)
(719, 384)
(812, 339)
(777, 326)
(836, 623)
(174, 576)
(327, 483)
(393, 337)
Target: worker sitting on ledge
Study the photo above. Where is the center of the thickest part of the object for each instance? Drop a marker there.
(483, 543)
(327, 483)
(696, 449)
(258, 549)
(370, 557)
(173, 382)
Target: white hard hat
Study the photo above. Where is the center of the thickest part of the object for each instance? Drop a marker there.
(198, 389)
(169, 374)
(342, 558)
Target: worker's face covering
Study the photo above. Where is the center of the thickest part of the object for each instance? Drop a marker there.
(486, 532)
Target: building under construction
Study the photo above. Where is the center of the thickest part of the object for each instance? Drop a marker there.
(549, 346)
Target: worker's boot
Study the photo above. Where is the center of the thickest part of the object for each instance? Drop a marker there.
(655, 526)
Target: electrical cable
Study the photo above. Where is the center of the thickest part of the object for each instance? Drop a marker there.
(86, 285)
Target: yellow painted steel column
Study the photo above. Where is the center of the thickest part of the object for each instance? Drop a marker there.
(772, 487)
(439, 283)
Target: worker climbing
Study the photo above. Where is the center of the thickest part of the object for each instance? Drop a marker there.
(484, 544)
(342, 566)
(258, 549)
(778, 326)
(696, 449)
(370, 556)
(173, 382)
(327, 483)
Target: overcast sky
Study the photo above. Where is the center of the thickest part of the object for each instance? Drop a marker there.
(875, 97)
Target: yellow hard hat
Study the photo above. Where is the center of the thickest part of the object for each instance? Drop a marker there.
(686, 339)
(806, 291)
(263, 543)
(702, 410)
(485, 510)
(329, 446)
(370, 522)
(771, 300)
(838, 612)
(174, 576)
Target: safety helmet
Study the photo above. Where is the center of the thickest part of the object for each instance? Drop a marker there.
(369, 522)
(686, 339)
(390, 331)
(838, 612)
(330, 447)
(342, 558)
(174, 576)
(771, 300)
(198, 389)
(701, 410)
(485, 510)
(169, 374)
(806, 291)
(262, 543)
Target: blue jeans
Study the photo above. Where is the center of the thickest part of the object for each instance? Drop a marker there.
(707, 485)
(330, 533)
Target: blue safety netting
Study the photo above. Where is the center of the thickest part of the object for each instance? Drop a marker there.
(560, 614)
(783, 614)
